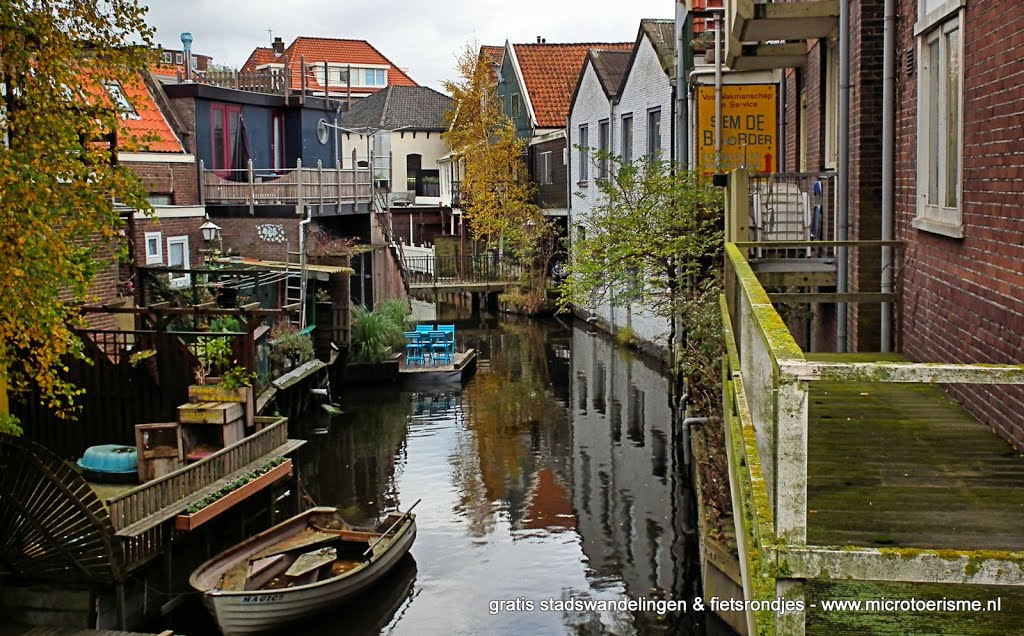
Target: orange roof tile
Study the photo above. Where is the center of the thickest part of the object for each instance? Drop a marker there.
(335, 51)
(152, 128)
(550, 72)
(259, 56)
(497, 53)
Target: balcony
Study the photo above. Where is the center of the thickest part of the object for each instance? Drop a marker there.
(339, 189)
(787, 224)
(772, 35)
(851, 471)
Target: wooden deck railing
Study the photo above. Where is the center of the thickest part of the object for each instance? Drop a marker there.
(156, 495)
(295, 186)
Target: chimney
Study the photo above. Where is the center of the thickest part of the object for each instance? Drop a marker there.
(278, 47)
(538, 39)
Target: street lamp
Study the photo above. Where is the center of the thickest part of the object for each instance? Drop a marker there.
(211, 233)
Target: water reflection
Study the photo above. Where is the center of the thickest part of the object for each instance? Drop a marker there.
(552, 475)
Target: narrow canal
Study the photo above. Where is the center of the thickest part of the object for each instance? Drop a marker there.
(553, 477)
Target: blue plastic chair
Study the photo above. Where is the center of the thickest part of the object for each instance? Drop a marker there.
(414, 348)
(439, 348)
(449, 331)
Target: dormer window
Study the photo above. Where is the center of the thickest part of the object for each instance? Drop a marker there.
(125, 107)
(166, 57)
(375, 77)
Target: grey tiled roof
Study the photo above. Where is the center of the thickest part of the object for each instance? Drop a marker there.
(410, 107)
(610, 67)
(662, 35)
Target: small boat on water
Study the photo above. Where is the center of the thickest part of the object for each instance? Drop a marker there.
(299, 567)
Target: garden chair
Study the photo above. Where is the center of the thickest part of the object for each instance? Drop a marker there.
(439, 353)
(449, 330)
(414, 348)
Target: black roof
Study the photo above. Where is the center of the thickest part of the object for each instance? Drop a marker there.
(409, 107)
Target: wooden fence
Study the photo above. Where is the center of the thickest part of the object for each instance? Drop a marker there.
(118, 395)
(145, 501)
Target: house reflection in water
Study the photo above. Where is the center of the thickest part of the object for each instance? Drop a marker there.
(626, 492)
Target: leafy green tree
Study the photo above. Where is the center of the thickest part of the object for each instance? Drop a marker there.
(653, 239)
(61, 62)
(497, 196)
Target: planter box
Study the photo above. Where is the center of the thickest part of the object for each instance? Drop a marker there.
(189, 522)
(210, 412)
(214, 393)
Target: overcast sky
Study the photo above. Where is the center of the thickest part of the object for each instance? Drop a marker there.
(421, 37)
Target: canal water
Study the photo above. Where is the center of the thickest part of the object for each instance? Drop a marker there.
(551, 479)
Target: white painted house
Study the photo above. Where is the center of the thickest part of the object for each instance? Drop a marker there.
(623, 105)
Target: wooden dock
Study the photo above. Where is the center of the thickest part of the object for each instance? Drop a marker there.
(462, 367)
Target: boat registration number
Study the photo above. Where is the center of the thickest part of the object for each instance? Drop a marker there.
(262, 599)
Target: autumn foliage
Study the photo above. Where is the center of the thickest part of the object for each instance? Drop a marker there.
(59, 188)
(496, 192)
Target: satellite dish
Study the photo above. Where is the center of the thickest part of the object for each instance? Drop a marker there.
(322, 132)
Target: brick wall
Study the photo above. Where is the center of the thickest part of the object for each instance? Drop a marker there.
(185, 109)
(168, 228)
(866, 23)
(260, 238)
(964, 298)
(178, 180)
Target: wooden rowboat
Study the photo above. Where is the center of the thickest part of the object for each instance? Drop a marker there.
(298, 568)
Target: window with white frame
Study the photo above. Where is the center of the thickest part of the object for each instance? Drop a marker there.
(584, 149)
(654, 134)
(604, 146)
(154, 248)
(514, 109)
(177, 257)
(627, 138)
(116, 92)
(179, 58)
(166, 57)
(544, 172)
(939, 121)
(375, 77)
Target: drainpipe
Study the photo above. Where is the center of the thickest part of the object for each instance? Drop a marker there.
(843, 204)
(888, 156)
(302, 265)
(719, 23)
(682, 92)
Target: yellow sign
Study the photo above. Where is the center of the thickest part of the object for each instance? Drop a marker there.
(749, 127)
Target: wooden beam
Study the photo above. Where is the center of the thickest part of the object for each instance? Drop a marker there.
(250, 306)
(204, 306)
(852, 297)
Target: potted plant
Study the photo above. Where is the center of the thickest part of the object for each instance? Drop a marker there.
(289, 347)
(235, 382)
(431, 186)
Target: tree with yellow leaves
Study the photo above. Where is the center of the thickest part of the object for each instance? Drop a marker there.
(497, 195)
(59, 187)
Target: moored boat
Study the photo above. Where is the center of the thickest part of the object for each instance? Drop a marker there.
(299, 567)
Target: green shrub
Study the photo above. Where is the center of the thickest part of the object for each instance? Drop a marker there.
(288, 343)
(398, 312)
(375, 334)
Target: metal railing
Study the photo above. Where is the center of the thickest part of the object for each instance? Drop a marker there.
(154, 496)
(792, 206)
(483, 268)
(292, 186)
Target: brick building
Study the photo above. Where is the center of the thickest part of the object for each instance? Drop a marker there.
(963, 293)
(959, 173)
